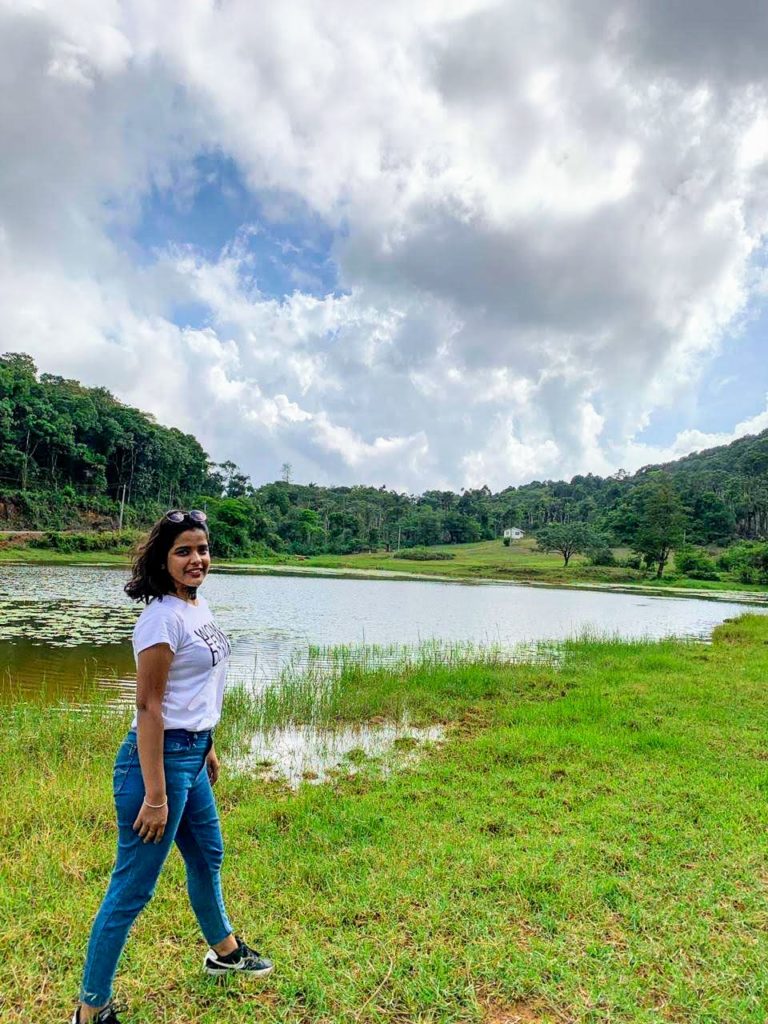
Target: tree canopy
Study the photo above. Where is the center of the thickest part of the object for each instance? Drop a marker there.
(71, 454)
(568, 538)
(56, 433)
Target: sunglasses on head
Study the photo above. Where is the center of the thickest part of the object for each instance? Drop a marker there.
(178, 515)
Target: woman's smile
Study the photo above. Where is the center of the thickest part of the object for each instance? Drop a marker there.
(189, 559)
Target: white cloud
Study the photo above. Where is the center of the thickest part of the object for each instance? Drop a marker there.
(545, 220)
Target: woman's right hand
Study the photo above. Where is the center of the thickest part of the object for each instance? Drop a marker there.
(150, 823)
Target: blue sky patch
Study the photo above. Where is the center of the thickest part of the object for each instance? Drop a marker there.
(208, 207)
(726, 394)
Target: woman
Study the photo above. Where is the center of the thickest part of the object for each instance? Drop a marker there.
(167, 765)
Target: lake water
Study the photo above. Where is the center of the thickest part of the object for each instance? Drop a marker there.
(65, 630)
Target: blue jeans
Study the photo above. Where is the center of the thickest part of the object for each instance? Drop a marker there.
(193, 823)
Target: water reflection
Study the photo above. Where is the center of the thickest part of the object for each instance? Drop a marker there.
(305, 753)
(31, 668)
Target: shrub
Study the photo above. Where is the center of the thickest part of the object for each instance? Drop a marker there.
(260, 549)
(632, 562)
(424, 555)
(696, 564)
(748, 561)
(119, 541)
(601, 556)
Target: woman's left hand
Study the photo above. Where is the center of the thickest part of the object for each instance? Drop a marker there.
(212, 766)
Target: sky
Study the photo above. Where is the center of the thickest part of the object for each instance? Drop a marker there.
(442, 244)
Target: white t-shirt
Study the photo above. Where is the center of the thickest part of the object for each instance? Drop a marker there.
(195, 688)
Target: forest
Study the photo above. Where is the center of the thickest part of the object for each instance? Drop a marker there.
(74, 458)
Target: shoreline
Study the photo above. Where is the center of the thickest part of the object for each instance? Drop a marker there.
(266, 569)
(749, 597)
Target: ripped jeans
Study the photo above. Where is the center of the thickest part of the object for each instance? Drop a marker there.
(193, 823)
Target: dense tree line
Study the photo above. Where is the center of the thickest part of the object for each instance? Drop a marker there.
(66, 449)
(71, 456)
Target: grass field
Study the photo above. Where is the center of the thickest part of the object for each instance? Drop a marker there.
(588, 845)
(44, 556)
(521, 562)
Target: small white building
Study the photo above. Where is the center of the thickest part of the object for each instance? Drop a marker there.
(513, 533)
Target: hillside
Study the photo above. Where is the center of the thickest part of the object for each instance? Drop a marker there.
(71, 455)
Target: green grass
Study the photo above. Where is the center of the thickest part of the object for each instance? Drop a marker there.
(521, 562)
(46, 556)
(343, 685)
(588, 845)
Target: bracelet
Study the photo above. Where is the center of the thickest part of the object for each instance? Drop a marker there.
(156, 807)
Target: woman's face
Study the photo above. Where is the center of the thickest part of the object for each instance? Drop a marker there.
(189, 559)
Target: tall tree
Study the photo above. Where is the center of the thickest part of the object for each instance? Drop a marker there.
(661, 523)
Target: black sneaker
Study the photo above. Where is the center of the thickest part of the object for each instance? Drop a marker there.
(241, 959)
(106, 1015)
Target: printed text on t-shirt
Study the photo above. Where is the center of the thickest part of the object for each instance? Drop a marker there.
(217, 642)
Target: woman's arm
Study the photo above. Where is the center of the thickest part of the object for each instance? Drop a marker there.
(154, 663)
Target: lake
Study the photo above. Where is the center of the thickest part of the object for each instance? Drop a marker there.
(65, 630)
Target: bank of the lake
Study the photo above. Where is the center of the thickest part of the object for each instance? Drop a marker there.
(522, 562)
(487, 560)
(587, 845)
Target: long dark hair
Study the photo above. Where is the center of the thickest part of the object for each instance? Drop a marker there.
(149, 577)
